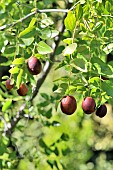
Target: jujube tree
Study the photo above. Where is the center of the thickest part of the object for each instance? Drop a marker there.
(75, 39)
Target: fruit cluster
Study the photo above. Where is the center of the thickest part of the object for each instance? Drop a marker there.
(68, 106)
(34, 66)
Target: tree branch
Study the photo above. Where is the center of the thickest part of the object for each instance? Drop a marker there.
(31, 14)
(14, 121)
(39, 83)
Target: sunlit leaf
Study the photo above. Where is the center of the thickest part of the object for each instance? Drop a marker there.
(68, 40)
(19, 78)
(18, 61)
(70, 21)
(108, 48)
(78, 11)
(6, 105)
(27, 33)
(70, 49)
(43, 48)
(28, 41)
(33, 21)
(14, 70)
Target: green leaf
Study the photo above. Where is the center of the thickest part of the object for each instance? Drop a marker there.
(70, 21)
(43, 48)
(45, 96)
(56, 151)
(28, 41)
(78, 12)
(70, 49)
(14, 70)
(33, 21)
(54, 33)
(100, 1)
(51, 163)
(55, 123)
(80, 64)
(94, 80)
(108, 6)
(5, 157)
(7, 63)
(98, 26)
(66, 151)
(108, 48)
(49, 113)
(46, 22)
(107, 87)
(82, 1)
(71, 89)
(42, 143)
(18, 61)
(65, 137)
(5, 77)
(28, 32)
(47, 33)
(82, 27)
(102, 67)
(19, 78)
(6, 105)
(59, 50)
(10, 51)
(68, 40)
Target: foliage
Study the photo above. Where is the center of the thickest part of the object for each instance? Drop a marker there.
(34, 132)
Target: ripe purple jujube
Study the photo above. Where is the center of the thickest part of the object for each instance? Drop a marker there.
(22, 91)
(68, 105)
(34, 65)
(9, 86)
(88, 105)
(101, 111)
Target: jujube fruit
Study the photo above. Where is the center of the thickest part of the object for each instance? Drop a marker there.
(88, 105)
(104, 78)
(34, 65)
(68, 105)
(101, 111)
(22, 91)
(9, 86)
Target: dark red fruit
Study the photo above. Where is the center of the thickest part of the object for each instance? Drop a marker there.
(101, 111)
(34, 65)
(9, 86)
(68, 105)
(104, 78)
(88, 105)
(22, 91)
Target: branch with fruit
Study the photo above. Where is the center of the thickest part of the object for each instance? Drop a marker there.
(34, 67)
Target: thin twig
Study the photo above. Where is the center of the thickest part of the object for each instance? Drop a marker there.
(74, 6)
(107, 16)
(31, 14)
(52, 10)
